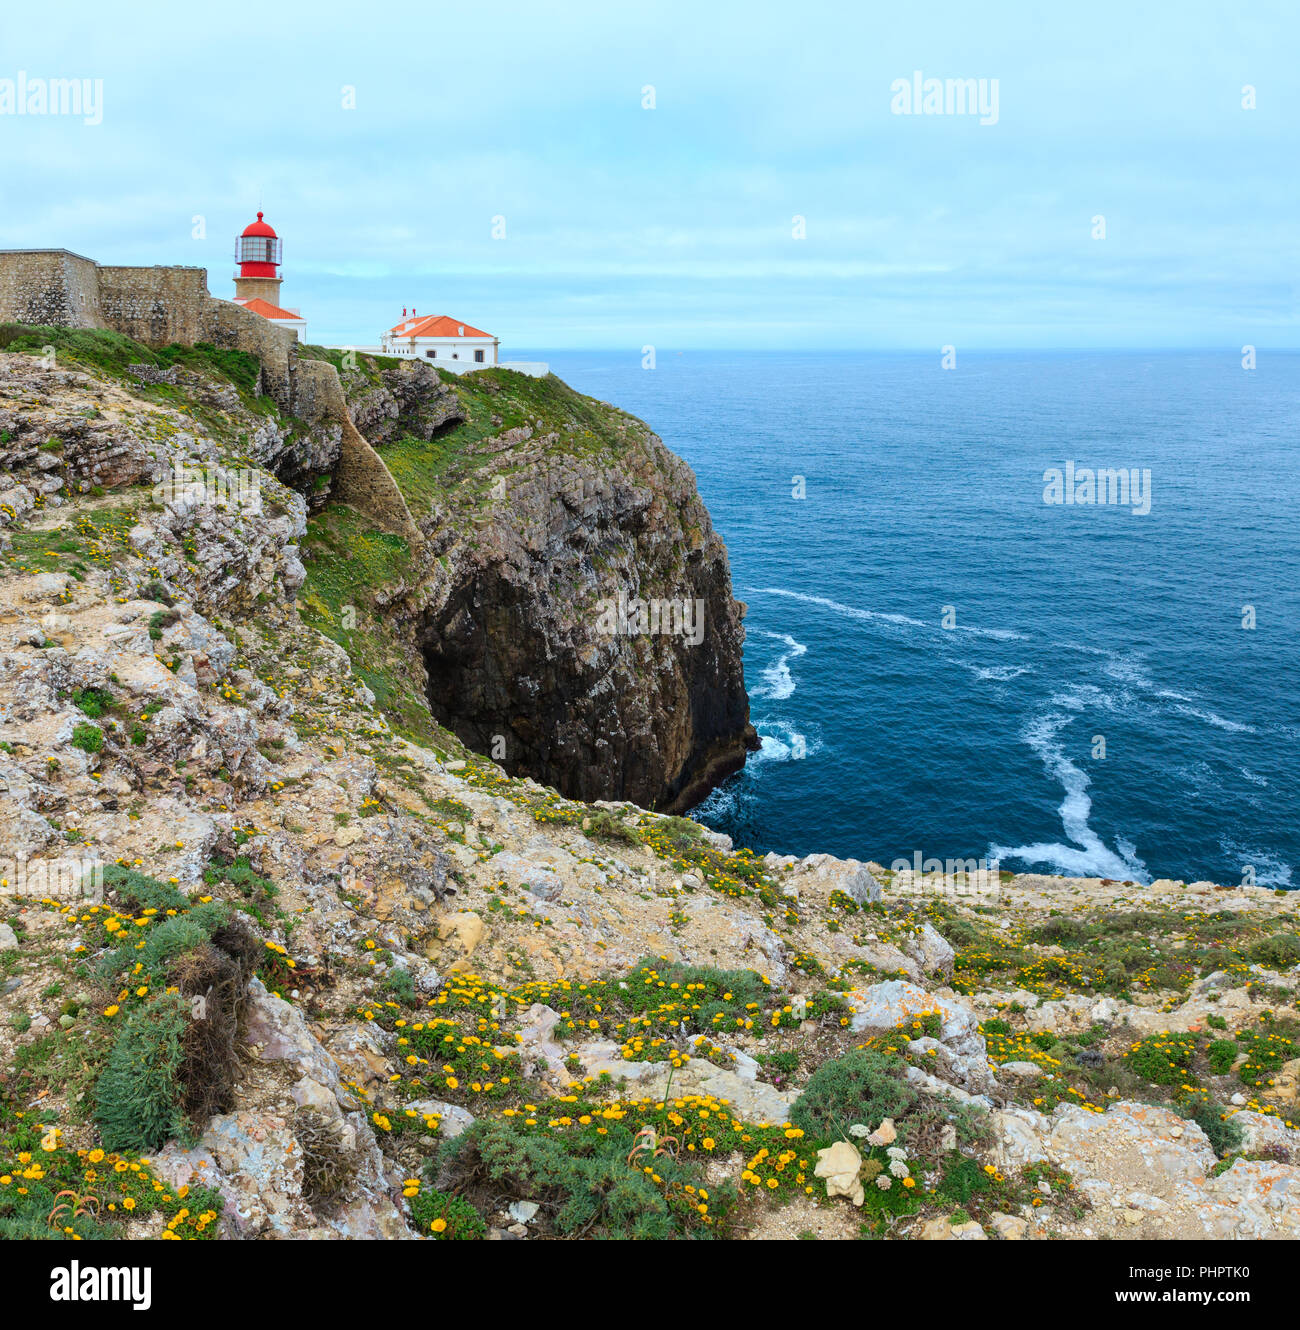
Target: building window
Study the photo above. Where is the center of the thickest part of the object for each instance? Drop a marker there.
(433, 355)
(478, 355)
(455, 355)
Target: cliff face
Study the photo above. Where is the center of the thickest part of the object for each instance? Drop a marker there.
(574, 614)
(531, 638)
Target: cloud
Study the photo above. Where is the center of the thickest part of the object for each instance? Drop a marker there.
(679, 222)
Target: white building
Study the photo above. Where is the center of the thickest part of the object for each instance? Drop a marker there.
(448, 342)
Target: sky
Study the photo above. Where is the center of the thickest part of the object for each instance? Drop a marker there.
(688, 175)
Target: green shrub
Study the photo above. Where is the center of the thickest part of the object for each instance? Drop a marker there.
(400, 984)
(583, 1183)
(963, 1179)
(183, 933)
(155, 589)
(1224, 1134)
(446, 1218)
(606, 826)
(1266, 1049)
(1222, 1053)
(138, 1095)
(93, 701)
(1164, 1059)
(1279, 952)
(89, 738)
(1063, 932)
(680, 832)
(860, 1087)
(141, 891)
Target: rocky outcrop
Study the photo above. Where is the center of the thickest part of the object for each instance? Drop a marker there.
(533, 651)
(409, 400)
(575, 615)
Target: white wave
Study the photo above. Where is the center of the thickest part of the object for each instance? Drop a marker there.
(779, 741)
(999, 634)
(1254, 779)
(1088, 856)
(999, 673)
(1128, 669)
(779, 682)
(719, 804)
(848, 610)
(853, 612)
(1177, 697)
(1270, 869)
(1213, 718)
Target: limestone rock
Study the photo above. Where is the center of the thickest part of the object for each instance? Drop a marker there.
(932, 952)
(840, 1164)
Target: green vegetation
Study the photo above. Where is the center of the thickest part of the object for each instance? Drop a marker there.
(862, 1087)
(347, 559)
(139, 1094)
(93, 701)
(492, 402)
(1121, 952)
(1278, 952)
(54, 1192)
(89, 738)
(113, 353)
(603, 825)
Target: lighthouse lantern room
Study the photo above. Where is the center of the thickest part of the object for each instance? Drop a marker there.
(259, 253)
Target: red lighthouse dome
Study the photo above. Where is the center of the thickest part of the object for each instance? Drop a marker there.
(258, 250)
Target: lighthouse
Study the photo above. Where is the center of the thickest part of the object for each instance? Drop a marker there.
(259, 253)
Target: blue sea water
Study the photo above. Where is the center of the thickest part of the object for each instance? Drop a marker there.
(886, 733)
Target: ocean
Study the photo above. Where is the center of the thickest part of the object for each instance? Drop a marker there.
(941, 661)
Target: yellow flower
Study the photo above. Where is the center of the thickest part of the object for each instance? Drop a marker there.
(95, 1156)
(128, 1204)
(439, 1226)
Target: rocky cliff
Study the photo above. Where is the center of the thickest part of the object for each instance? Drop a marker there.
(554, 521)
(337, 981)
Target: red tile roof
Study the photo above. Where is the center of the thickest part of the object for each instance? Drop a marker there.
(436, 325)
(268, 310)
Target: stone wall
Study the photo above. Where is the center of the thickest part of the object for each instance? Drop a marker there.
(155, 306)
(49, 287)
(161, 305)
(229, 325)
